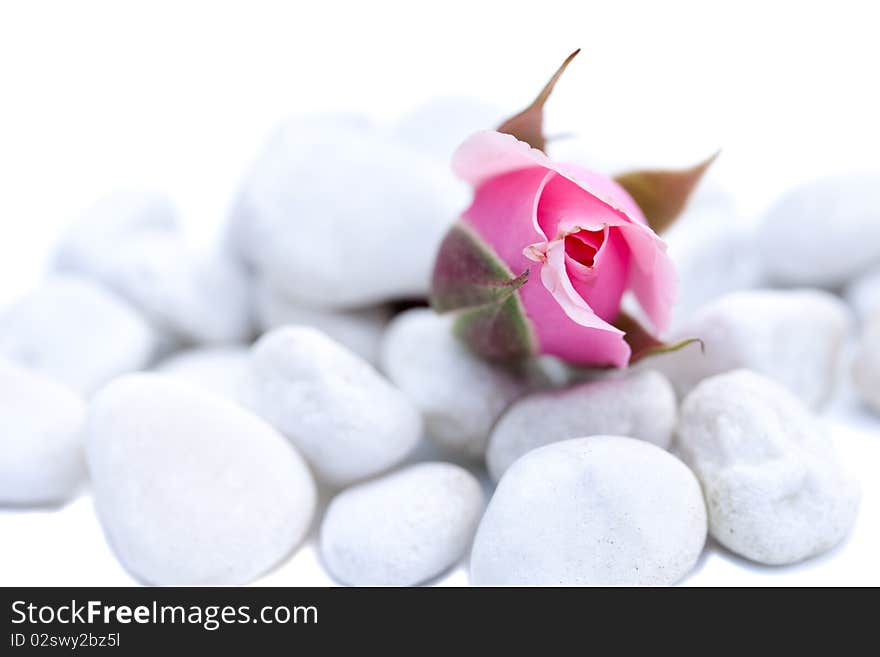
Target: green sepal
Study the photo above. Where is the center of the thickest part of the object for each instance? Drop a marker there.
(468, 274)
(499, 331)
(471, 280)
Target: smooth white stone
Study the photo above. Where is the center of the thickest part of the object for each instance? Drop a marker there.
(603, 510)
(439, 126)
(348, 420)
(359, 330)
(794, 337)
(866, 366)
(76, 332)
(113, 219)
(196, 297)
(335, 214)
(190, 488)
(403, 528)
(774, 488)
(641, 405)
(459, 394)
(41, 458)
(713, 252)
(224, 371)
(863, 294)
(823, 233)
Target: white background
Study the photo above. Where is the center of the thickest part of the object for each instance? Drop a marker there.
(178, 96)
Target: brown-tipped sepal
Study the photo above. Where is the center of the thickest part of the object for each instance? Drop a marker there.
(528, 125)
(663, 194)
(643, 343)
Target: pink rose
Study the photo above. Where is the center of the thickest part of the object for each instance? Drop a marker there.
(539, 263)
(541, 259)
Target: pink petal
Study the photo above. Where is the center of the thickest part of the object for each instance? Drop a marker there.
(555, 278)
(603, 187)
(503, 213)
(602, 285)
(652, 275)
(523, 198)
(561, 336)
(487, 154)
(565, 207)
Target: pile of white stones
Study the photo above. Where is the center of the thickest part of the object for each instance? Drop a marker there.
(206, 398)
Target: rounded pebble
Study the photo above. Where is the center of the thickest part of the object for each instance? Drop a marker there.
(76, 332)
(346, 418)
(41, 456)
(224, 371)
(401, 529)
(333, 214)
(359, 330)
(866, 366)
(774, 488)
(863, 294)
(459, 394)
(822, 233)
(113, 219)
(439, 126)
(641, 405)
(195, 297)
(712, 251)
(792, 336)
(603, 510)
(190, 488)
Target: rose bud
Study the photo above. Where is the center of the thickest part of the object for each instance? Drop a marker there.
(540, 261)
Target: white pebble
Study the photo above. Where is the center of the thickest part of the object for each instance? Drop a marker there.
(774, 488)
(794, 337)
(641, 405)
(190, 488)
(334, 214)
(866, 366)
(76, 332)
(345, 417)
(438, 127)
(196, 297)
(224, 371)
(863, 294)
(459, 394)
(113, 219)
(823, 233)
(603, 510)
(712, 250)
(401, 529)
(360, 330)
(41, 458)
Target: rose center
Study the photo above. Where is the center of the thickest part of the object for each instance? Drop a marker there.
(584, 245)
